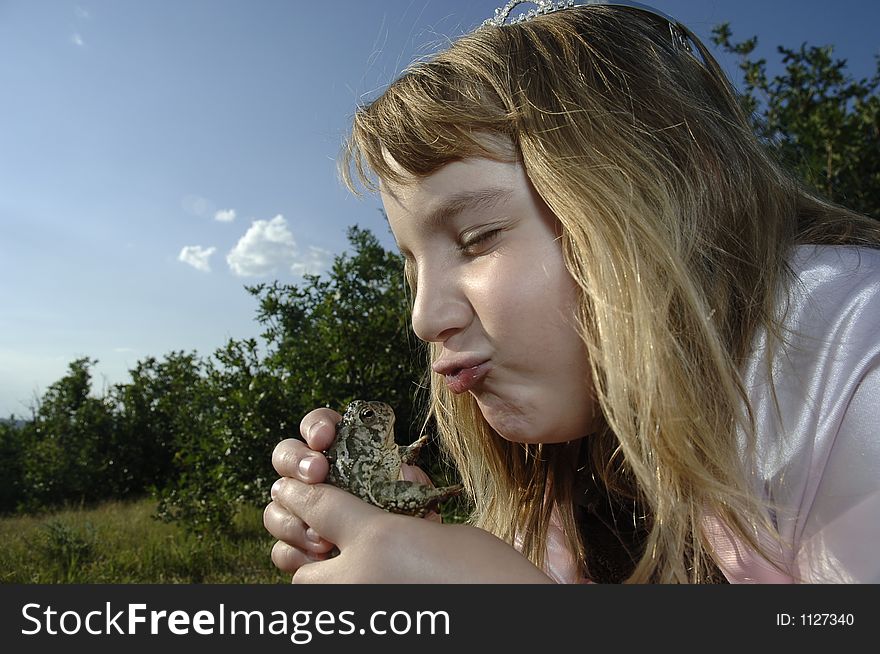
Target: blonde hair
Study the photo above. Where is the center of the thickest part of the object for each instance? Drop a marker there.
(675, 224)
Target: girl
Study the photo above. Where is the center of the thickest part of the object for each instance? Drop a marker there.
(655, 355)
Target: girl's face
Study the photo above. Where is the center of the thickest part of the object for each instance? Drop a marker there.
(491, 289)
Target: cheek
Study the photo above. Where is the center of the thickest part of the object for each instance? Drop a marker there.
(557, 360)
(527, 276)
(541, 308)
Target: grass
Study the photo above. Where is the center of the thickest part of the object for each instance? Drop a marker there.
(121, 543)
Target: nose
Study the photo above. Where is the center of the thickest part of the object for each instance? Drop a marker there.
(441, 308)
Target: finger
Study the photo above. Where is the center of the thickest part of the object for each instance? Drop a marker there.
(318, 428)
(335, 514)
(293, 458)
(415, 473)
(287, 527)
(290, 559)
(433, 516)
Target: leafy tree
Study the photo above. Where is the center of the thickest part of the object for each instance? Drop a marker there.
(824, 124)
(68, 454)
(222, 437)
(151, 411)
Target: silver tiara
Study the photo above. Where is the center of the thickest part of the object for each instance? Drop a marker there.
(502, 16)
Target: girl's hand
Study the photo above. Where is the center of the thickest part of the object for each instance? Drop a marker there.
(292, 458)
(380, 547)
(309, 517)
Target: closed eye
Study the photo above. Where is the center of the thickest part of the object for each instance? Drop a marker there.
(479, 243)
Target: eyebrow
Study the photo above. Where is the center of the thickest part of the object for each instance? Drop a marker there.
(467, 200)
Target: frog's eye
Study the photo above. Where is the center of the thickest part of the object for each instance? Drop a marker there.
(367, 415)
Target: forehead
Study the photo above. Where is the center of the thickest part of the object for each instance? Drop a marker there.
(482, 151)
(474, 178)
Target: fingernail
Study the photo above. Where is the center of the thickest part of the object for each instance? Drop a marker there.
(276, 488)
(315, 426)
(305, 465)
(313, 535)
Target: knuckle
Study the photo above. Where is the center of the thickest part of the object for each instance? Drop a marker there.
(318, 427)
(314, 496)
(281, 523)
(285, 457)
(291, 526)
(272, 521)
(284, 557)
(309, 420)
(268, 515)
(291, 559)
(301, 499)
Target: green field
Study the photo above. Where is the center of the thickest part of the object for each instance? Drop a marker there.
(121, 543)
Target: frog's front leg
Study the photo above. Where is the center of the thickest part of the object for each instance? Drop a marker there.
(409, 453)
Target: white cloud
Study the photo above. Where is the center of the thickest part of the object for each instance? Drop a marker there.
(77, 40)
(225, 215)
(197, 257)
(268, 247)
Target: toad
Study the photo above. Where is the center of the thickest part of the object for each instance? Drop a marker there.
(365, 460)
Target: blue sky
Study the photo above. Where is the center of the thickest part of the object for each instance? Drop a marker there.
(157, 156)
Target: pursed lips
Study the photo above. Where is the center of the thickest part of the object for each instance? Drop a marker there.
(463, 374)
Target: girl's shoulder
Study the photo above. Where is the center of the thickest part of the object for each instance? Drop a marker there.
(827, 270)
(800, 381)
(814, 389)
(828, 313)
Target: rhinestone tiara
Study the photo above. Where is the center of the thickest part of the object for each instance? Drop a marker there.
(502, 16)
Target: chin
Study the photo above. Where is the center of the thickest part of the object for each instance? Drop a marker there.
(513, 425)
(518, 425)
(503, 417)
